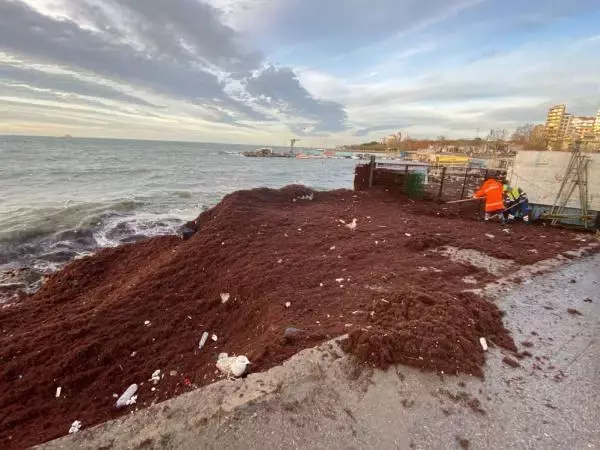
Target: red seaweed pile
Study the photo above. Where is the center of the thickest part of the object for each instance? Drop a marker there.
(260, 262)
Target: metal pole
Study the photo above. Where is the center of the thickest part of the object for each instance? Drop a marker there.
(462, 193)
(371, 170)
(442, 182)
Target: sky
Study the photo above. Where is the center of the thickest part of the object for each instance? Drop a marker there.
(265, 71)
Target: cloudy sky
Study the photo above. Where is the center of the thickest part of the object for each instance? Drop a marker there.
(262, 71)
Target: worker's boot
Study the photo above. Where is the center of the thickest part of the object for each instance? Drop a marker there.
(511, 218)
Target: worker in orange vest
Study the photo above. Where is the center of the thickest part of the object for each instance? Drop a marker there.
(492, 191)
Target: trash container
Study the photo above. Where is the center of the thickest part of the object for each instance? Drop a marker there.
(416, 185)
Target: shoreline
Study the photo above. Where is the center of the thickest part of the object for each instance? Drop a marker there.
(86, 328)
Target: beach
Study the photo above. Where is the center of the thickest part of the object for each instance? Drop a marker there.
(267, 274)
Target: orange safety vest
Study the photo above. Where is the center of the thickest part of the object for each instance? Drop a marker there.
(492, 191)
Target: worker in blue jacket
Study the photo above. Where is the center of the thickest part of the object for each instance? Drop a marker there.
(517, 203)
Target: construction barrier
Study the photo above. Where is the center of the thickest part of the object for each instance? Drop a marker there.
(421, 181)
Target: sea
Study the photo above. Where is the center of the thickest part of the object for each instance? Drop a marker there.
(63, 198)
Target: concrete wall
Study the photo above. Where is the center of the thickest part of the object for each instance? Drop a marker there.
(540, 175)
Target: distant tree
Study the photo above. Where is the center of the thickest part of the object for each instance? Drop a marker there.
(537, 138)
(522, 134)
(442, 141)
(530, 136)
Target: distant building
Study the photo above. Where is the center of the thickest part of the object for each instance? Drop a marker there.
(582, 127)
(393, 140)
(556, 122)
(562, 129)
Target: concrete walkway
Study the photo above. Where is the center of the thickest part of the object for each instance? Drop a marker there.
(322, 399)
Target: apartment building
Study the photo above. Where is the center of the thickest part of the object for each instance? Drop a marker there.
(582, 127)
(555, 122)
(563, 129)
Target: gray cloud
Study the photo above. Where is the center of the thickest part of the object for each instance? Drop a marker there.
(280, 88)
(64, 83)
(393, 126)
(178, 49)
(167, 26)
(27, 32)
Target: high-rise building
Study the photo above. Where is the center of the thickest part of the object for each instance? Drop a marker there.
(566, 126)
(556, 123)
(597, 125)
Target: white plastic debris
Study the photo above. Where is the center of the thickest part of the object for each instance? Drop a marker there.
(115, 395)
(491, 236)
(224, 297)
(147, 323)
(128, 397)
(203, 340)
(58, 391)
(307, 196)
(214, 337)
(279, 261)
(332, 248)
(506, 230)
(288, 304)
(155, 376)
(339, 280)
(483, 343)
(407, 234)
(320, 284)
(352, 226)
(75, 427)
(376, 242)
(133, 354)
(232, 365)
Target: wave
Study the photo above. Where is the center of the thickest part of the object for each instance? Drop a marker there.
(27, 224)
(45, 239)
(183, 194)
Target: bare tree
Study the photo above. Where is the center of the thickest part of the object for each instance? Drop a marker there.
(530, 136)
(522, 134)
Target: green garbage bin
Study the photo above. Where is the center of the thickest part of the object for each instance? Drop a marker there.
(416, 185)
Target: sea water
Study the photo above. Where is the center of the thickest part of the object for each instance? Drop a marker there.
(60, 198)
